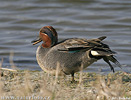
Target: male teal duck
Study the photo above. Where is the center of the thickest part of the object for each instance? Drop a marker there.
(73, 54)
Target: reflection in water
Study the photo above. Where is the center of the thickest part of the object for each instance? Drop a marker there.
(21, 21)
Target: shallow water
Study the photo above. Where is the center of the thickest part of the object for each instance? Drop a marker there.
(20, 21)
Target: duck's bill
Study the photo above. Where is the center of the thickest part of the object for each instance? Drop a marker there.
(36, 41)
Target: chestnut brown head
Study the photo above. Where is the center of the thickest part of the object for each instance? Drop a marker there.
(48, 35)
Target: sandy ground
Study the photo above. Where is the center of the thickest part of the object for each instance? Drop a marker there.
(38, 85)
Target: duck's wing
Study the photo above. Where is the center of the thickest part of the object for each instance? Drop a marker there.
(78, 44)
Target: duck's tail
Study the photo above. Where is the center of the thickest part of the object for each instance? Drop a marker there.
(103, 51)
(107, 57)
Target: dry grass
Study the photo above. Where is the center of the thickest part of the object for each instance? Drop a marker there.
(39, 84)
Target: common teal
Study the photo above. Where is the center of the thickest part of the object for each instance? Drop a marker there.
(72, 54)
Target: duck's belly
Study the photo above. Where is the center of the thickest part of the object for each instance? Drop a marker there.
(66, 63)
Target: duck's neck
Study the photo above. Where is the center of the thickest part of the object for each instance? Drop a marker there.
(48, 45)
(45, 45)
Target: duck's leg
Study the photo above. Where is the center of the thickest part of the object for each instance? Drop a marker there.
(72, 74)
(107, 61)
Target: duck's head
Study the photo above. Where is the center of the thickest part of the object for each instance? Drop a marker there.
(48, 35)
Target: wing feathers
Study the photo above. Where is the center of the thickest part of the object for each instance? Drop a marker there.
(102, 38)
(81, 44)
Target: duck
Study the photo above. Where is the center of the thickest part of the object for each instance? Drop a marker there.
(70, 55)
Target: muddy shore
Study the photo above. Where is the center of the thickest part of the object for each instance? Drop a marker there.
(38, 85)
